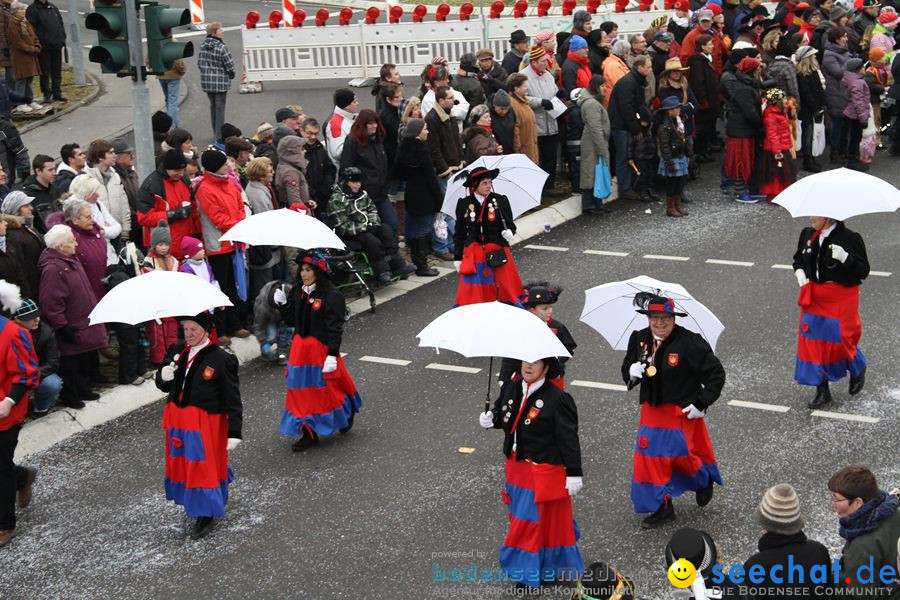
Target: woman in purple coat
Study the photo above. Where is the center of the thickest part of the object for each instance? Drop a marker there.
(91, 250)
(66, 300)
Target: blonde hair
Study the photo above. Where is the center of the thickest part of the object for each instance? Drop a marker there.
(807, 65)
(770, 40)
(213, 27)
(411, 111)
(258, 167)
(84, 186)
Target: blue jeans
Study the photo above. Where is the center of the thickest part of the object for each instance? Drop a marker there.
(170, 88)
(15, 98)
(47, 392)
(386, 212)
(621, 139)
(441, 246)
(839, 131)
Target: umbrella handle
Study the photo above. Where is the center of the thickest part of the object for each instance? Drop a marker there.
(487, 396)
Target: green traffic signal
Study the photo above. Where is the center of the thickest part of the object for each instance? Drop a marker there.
(111, 51)
(162, 50)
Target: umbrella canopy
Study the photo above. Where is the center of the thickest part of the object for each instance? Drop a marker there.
(156, 295)
(839, 194)
(492, 329)
(610, 310)
(520, 180)
(283, 227)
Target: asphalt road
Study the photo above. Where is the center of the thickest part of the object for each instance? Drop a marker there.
(379, 512)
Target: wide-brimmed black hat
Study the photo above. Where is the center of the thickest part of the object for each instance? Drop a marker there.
(517, 37)
(474, 176)
(541, 292)
(204, 320)
(695, 546)
(647, 303)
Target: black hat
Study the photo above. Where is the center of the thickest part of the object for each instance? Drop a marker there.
(602, 580)
(174, 159)
(284, 113)
(651, 303)
(554, 367)
(352, 174)
(474, 176)
(695, 546)
(517, 37)
(160, 122)
(413, 128)
(212, 160)
(27, 310)
(541, 292)
(500, 98)
(228, 130)
(343, 97)
(204, 320)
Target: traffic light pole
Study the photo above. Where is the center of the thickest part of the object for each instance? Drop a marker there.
(140, 95)
(75, 43)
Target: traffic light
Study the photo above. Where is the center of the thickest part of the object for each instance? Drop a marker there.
(111, 51)
(162, 50)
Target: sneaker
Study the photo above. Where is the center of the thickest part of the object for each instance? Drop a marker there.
(22, 109)
(36, 105)
(139, 380)
(746, 198)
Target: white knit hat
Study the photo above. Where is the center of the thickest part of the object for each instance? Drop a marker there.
(779, 510)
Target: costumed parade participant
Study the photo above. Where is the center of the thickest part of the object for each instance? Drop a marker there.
(679, 377)
(830, 264)
(18, 374)
(321, 396)
(484, 230)
(543, 473)
(202, 420)
(539, 300)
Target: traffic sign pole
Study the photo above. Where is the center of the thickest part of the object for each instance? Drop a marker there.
(140, 95)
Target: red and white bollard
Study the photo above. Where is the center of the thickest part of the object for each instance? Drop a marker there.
(197, 18)
(287, 9)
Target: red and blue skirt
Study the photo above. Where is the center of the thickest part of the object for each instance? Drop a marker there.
(197, 471)
(479, 282)
(542, 542)
(321, 402)
(673, 455)
(830, 329)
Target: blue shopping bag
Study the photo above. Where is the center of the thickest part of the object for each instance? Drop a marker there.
(240, 273)
(602, 180)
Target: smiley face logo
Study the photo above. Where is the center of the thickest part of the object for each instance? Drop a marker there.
(682, 573)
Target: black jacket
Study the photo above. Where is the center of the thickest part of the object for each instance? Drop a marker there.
(776, 549)
(672, 143)
(45, 199)
(443, 141)
(493, 80)
(47, 23)
(390, 119)
(744, 105)
(485, 226)
(12, 269)
(320, 315)
(211, 384)
(46, 349)
(511, 366)
(152, 186)
(658, 58)
(626, 98)
(705, 84)
(13, 153)
(547, 430)
(29, 244)
(812, 95)
(851, 272)
(687, 370)
(413, 165)
(470, 87)
(320, 174)
(372, 160)
(504, 129)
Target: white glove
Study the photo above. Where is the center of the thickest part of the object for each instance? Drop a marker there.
(507, 235)
(802, 279)
(167, 373)
(457, 264)
(838, 253)
(233, 443)
(5, 407)
(279, 297)
(636, 370)
(330, 365)
(440, 227)
(573, 485)
(692, 412)
(486, 420)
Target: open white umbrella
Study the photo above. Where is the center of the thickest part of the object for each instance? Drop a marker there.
(839, 194)
(611, 311)
(156, 295)
(283, 227)
(520, 180)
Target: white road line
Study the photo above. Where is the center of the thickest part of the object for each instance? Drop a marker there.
(732, 263)
(452, 368)
(599, 385)
(550, 248)
(605, 253)
(845, 417)
(788, 267)
(666, 257)
(880, 273)
(773, 407)
(385, 361)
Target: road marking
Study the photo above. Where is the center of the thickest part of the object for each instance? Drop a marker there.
(666, 257)
(452, 368)
(203, 32)
(880, 273)
(550, 248)
(605, 253)
(761, 406)
(786, 267)
(732, 263)
(599, 385)
(385, 361)
(845, 417)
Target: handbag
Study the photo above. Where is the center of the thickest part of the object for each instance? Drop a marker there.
(496, 258)
(602, 180)
(818, 140)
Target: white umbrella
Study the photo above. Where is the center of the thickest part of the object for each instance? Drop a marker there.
(156, 295)
(839, 194)
(610, 310)
(520, 180)
(283, 227)
(492, 329)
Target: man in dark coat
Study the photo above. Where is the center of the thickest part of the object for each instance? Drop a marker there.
(125, 168)
(659, 53)
(679, 378)
(491, 75)
(625, 100)
(320, 170)
(13, 153)
(165, 195)
(466, 80)
(503, 121)
(518, 46)
(48, 25)
(447, 155)
(39, 186)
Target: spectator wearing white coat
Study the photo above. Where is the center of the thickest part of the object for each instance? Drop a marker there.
(102, 159)
(346, 106)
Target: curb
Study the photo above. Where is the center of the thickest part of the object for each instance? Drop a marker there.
(130, 126)
(42, 433)
(98, 89)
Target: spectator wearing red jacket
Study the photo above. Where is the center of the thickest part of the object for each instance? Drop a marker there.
(165, 195)
(576, 70)
(778, 146)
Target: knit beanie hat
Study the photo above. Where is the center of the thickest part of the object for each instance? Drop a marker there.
(535, 53)
(413, 128)
(779, 510)
(876, 55)
(212, 160)
(888, 19)
(174, 159)
(190, 246)
(542, 36)
(160, 122)
(580, 18)
(228, 130)
(160, 235)
(748, 65)
(576, 42)
(803, 52)
(500, 98)
(853, 65)
(343, 97)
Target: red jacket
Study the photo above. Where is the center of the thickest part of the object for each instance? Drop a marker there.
(778, 130)
(688, 47)
(18, 370)
(159, 194)
(221, 208)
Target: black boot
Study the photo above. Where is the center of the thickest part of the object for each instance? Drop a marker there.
(344, 430)
(856, 385)
(856, 165)
(705, 495)
(307, 440)
(202, 527)
(419, 254)
(811, 166)
(665, 514)
(822, 397)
